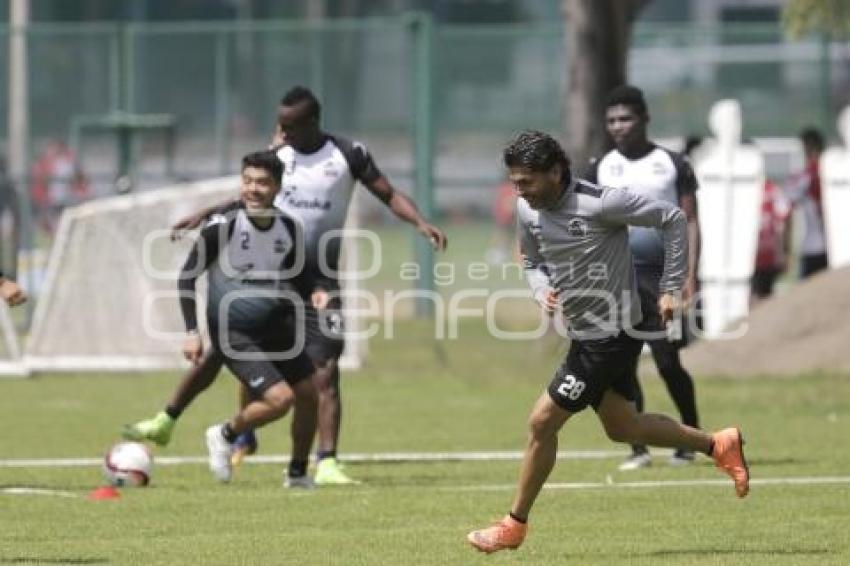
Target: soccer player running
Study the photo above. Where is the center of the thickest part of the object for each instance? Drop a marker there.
(639, 166)
(257, 286)
(575, 245)
(320, 172)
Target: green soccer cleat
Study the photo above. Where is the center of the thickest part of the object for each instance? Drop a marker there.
(328, 472)
(157, 430)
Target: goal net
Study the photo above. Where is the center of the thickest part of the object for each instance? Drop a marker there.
(109, 300)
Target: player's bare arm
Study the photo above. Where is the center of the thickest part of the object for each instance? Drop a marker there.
(688, 204)
(404, 208)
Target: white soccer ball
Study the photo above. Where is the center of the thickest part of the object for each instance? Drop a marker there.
(128, 464)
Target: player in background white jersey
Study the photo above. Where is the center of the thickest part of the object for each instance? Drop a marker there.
(642, 167)
(320, 171)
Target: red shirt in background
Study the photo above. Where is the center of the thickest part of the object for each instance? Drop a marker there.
(775, 211)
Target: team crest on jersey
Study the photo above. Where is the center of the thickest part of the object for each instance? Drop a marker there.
(280, 247)
(577, 227)
(658, 168)
(331, 170)
(616, 169)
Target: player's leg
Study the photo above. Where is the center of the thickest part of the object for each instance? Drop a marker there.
(246, 443)
(304, 423)
(544, 423)
(640, 457)
(680, 386)
(197, 379)
(270, 398)
(572, 388)
(648, 280)
(623, 423)
(324, 346)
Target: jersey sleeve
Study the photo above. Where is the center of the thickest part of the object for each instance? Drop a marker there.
(686, 180)
(360, 162)
(534, 266)
(204, 252)
(591, 172)
(622, 207)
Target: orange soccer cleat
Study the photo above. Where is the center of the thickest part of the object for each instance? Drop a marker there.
(728, 455)
(507, 533)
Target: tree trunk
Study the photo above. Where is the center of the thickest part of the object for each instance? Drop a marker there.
(597, 35)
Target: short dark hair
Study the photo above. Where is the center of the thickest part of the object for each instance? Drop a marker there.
(626, 95)
(298, 94)
(536, 151)
(812, 137)
(265, 160)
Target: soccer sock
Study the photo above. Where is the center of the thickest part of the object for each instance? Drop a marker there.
(326, 454)
(517, 519)
(173, 412)
(297, 468)
(228, 433)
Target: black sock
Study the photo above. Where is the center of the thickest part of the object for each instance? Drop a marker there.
(297, 468)
(173, 412)
(327, 454)
(517, 519)
(228, 433)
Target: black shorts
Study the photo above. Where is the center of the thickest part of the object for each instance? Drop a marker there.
(324, 331)
(591, 368)
(263, 358)
(648, 280)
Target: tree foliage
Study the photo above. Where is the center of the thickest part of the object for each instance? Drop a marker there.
(831, 17)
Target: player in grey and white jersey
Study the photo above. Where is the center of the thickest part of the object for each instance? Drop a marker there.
(574, 237)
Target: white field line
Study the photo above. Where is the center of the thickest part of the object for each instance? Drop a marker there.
(610, 483)
(380, 457)
(37, 491)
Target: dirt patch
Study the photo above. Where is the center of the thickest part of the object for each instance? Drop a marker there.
(805, 329)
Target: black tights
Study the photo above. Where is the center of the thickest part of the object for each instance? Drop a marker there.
(679, 383)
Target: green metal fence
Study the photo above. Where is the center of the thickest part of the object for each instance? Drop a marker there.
(222, 80)
(419, 93)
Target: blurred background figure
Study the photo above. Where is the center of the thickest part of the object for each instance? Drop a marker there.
(774, 242)
(502, 241)
(804, 191)
(57, 182)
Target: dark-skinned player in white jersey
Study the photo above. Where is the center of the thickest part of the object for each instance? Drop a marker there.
(640, 166)
(575, 247)
(321, 170)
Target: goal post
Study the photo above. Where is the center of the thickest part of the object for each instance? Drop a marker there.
(109, 300)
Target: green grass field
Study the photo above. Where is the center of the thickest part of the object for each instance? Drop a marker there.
(471, 396)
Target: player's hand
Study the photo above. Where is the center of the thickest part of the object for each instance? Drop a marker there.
(193, 349)
(12, 292)
(548, 300)
(320, 299)
(435, 236)
(186, 223)
(668, 305)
